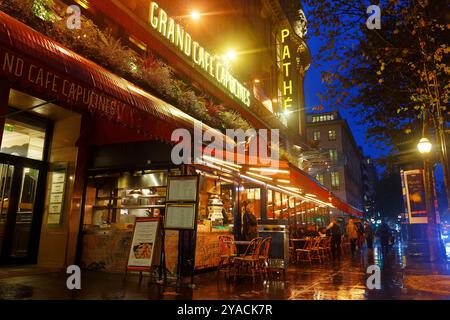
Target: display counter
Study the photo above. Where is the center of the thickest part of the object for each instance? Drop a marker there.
(107, 249)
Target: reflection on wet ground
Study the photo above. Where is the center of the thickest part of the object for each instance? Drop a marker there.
(345, 280)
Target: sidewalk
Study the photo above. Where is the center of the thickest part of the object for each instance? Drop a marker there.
(401, 278)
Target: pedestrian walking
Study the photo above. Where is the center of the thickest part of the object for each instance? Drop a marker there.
(369, 235)
(384, 232)
(360, 230)
(352, 234)
(335, 231)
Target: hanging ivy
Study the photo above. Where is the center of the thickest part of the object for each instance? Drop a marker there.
(149, 72)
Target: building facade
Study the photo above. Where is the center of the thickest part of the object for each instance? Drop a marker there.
(370, 179)
(91, 96)
(340, 168)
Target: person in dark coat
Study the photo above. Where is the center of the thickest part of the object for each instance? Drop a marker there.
(384, 232)
(335, 230)
(250, 223)
(369, 235)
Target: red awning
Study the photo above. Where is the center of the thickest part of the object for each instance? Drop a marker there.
(42, 67)
(303, 181)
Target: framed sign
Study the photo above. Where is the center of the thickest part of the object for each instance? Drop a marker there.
(57, 193)
(414, 190)
(180, 216)
(145, 244)
(182, 189)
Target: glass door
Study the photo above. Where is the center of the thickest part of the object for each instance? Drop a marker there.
(24, 215)
(6, 177)
(22, 194)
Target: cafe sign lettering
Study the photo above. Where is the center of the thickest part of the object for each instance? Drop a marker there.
(47, 81)
(287, 70)
(215, 67)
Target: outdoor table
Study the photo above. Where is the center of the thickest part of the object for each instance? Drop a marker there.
(299, 243)
(240, 245)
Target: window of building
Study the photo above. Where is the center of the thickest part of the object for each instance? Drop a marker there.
(333, 155)
(335, 180)
(319, 178)
(316, 135)
(332, 135)
(23, 140)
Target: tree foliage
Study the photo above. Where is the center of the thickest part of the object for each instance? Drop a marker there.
(387, 77)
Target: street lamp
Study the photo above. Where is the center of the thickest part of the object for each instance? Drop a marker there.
(231, 55)
(424, 146)
(195, 15)
(434, 242)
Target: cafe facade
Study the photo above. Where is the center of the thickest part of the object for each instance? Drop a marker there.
(84, 152)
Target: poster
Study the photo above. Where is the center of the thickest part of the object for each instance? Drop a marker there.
(182, 189)
(415, 196)
(144, 241)
(179, 216)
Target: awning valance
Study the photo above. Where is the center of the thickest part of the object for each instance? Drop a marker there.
(42, 67)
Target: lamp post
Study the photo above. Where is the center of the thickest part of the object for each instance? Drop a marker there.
(433, 237)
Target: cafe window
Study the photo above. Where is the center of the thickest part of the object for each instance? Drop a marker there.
(332, 135)
(316, 135)
(334, 155)
(270, 207)
(252, 196)
(335, 181)
(23, 140)
(277, 205)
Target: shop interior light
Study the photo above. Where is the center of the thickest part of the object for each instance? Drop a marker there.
(275, 100)
(257, 81)
(284, 181)
(269, 170)
(83, 3)
(136, 193)
(260, 176)
(310, 195)
(222, 179)
(215, 160)
(252, 179)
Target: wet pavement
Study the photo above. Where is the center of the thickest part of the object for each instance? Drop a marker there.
(402, 278)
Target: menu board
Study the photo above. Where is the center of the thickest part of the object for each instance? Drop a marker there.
(180, 216)
(182, 189)
(142, 252)
(57, 193)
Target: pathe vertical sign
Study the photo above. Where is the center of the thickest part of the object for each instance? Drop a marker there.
(289, 89)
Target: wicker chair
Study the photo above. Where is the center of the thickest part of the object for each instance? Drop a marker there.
(304, 254)
(249, 260)
(264, 255)
(227, 253)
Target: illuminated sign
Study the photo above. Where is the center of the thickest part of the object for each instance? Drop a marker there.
(287, 70)
(182, 40)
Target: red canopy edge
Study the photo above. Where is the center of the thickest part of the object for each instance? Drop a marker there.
(304, 182)
(24, 52)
